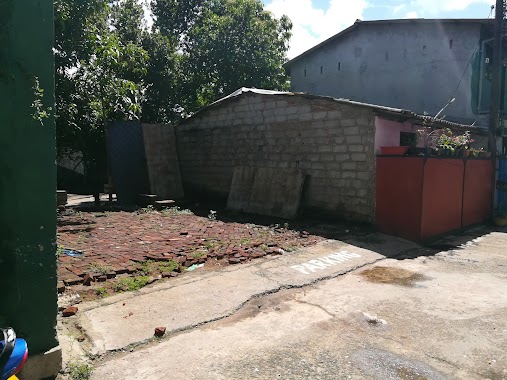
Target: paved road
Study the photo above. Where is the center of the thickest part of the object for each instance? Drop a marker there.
(336, 311)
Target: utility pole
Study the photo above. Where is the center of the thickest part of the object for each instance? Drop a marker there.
(496, 89)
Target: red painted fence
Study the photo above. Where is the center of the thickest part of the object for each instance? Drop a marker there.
(419, 198)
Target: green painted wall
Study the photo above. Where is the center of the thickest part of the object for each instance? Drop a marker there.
(28, 300)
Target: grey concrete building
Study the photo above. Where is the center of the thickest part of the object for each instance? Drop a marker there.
(417, 64)
(333, 142)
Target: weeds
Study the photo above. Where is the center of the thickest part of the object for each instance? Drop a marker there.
(100, 268)
(168, 266)
(80, 371)
(198, 254)
(145, 268)
(59, 250)
(101, 292)
(131, 283)
(173, 211)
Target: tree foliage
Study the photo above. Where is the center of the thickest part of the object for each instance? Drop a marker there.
(111, 66)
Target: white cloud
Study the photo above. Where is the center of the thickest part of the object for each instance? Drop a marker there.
(411, 14)
(313, 25)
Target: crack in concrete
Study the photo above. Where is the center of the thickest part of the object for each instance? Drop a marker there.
(236, 309)
(317, 306)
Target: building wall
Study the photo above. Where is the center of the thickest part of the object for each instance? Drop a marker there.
(28, 296)
(331, 142)
(412, 66)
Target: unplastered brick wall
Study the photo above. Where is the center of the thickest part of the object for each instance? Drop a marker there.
(330, 141)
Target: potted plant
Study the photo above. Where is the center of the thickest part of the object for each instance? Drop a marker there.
(462, 143)
(428, 138)
(446, 143)
(500, 218)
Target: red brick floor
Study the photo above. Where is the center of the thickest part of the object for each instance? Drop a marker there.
(118, 240)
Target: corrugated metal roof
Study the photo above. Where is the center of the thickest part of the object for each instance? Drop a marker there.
(381, 110)
(394, 21)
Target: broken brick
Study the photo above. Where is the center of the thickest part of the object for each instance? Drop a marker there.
(234, 260)
(61, 287)
(160, 331)
(70, 311)
(87, 280)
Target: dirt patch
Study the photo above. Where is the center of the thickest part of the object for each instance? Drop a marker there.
(395, 276)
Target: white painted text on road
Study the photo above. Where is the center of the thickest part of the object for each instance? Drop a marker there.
(325, 262)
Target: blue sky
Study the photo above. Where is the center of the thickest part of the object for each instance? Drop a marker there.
(317, 20)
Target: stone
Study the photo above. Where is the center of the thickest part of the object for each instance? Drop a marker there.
(61, 286)
(160, 331)
(234, 260)
(87, 280)
(70, 311)
(169, 274)
(82, 338)
(102, 278)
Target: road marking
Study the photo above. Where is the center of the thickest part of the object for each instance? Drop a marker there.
(325, 262)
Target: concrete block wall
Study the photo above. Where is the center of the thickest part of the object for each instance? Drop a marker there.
(331, 142)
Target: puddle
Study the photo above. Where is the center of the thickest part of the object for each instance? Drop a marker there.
(395, 276)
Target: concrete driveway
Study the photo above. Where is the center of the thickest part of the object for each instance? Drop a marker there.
(339, 310)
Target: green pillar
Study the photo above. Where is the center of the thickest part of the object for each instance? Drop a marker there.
(28, 296)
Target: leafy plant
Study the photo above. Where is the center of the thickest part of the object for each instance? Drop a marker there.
(145, 268)
(79, 371)
(173, 211)
(168, 266)
(100, 268)
(101, 292)
(146, 210)
(39, 112)
(59, 250)
(198, 254)
(131, 283)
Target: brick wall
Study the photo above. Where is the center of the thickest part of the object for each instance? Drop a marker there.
(331, 142)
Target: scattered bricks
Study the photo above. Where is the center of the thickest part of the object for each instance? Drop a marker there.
(61, 287)
(111, 275)
(169, 274)
(160, 331)
(234, 260)
(184, 233)
(87, 280)
(102, 278)
(76, 271)
(70, 311)
(72, 280)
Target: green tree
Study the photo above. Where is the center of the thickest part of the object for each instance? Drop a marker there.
(98, 79)
(224, 45)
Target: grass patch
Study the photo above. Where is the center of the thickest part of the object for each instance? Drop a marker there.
(80, 371)
(131, 283)
(100, 268)
(101, 292)
(145, 268)
(198, 254)
(168, 266)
